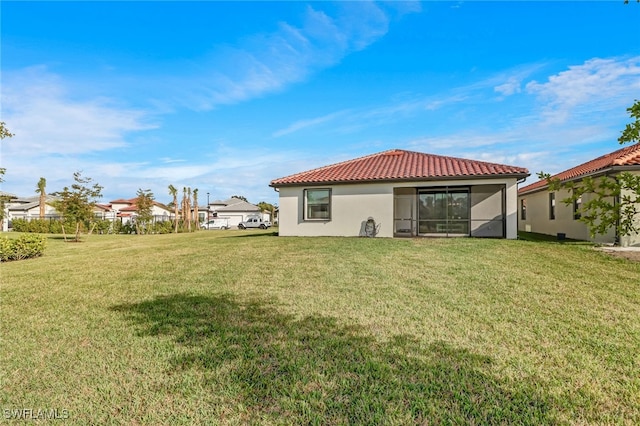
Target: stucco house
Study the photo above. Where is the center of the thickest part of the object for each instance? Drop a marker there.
(5, 200)
(126, 209)
(398, 193)
(29, 208)
(236, 210)
(544, 212)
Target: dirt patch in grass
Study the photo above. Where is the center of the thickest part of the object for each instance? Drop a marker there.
(632, 255)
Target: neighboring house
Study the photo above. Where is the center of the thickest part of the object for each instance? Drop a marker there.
(29, 208)
(104, 212)
(405, 193)
(236, 210)
(126, 209)
(544, 212)
(5, 200)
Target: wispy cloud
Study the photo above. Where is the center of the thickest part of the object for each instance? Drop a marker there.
(355, 119)
(510, 87)
(351, 120)
(267, 63)
(304, 124)
(588, 88)
(48, 118)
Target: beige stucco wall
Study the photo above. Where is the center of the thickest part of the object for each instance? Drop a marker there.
(632, 240)
(352, 204)
(486, 211)
(158, 211)
(538, 219)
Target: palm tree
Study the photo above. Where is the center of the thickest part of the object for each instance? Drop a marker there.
(189, 217)
(42, 184)
(196, 218)
(173, 191)
(184, 205)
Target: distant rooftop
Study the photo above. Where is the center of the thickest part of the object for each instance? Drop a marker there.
(627, 156)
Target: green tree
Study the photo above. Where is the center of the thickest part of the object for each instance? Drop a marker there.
(173, 191)
(240, 197)
(76, 203)
(631, 133)
(41, 189)
(144, 204)
(611, 201)
(4, 133)
(267, 207)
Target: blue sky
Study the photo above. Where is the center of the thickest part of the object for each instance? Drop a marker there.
(226, 96)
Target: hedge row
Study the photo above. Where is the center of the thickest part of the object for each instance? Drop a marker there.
(23, 247)
(54, 226)
(42, 226)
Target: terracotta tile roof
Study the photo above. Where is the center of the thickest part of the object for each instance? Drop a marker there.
(399, 165)
(627, 156)
(104, 207)
(123, 201)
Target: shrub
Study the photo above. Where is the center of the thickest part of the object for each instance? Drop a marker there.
(165, 227)
(102, 226)
(48, 226)
(23, 247)
(20, 225)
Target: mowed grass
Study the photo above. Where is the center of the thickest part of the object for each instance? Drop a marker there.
(244, 327)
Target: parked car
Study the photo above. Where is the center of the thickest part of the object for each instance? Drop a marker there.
(218, 223)
(254, 222)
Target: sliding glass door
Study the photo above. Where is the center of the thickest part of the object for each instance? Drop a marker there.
(444, 211)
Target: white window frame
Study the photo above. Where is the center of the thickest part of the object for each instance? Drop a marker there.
(306, 213)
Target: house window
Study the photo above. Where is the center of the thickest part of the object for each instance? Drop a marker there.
(552, 206)
(523, 209)
(317, 204)
(577, 204)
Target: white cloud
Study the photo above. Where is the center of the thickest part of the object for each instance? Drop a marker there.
(595, 86)
(267, 63)
(304, 124)
(351, 120)
(510, 87)
(47, 118)
(357, 119)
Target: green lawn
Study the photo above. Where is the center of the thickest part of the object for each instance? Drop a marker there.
(237, 327)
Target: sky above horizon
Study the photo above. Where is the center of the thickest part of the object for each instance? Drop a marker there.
(227, 96)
